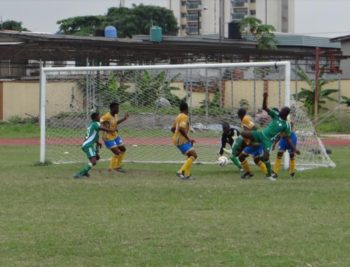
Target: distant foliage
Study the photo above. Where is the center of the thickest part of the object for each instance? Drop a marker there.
(151, 88)
(307, 95)
(12, 25)
(128, 21)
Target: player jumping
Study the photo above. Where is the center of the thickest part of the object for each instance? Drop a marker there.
(266, 136)
(183, 142)
(91, 145)
(112, 139)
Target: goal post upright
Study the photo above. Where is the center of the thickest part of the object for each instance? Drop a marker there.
(287, 98)
(42, 115)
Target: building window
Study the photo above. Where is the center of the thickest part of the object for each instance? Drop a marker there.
(252, 1)
(252, 12)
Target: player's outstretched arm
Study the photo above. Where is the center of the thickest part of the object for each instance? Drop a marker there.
(103, 129)
(277, 139)
(290, 143)
(126, 116)
(264, 106)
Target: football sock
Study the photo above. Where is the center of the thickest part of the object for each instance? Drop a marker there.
(237, 144)
(86, 168)
(245, 166)
(119, 160)
(113, 162)
(262, 167)
(276, 167)
(268, 166)
(187, 166)
(292, 166)
(236, 162)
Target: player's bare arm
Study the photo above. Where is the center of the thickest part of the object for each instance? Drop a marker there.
(277, 139)
(126, 116)
(184, 134)
(99, 144)
(264, 106)
(294, 149)
(103, 129)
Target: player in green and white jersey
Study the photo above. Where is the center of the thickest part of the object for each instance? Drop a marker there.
(279, 124)
(91, 145)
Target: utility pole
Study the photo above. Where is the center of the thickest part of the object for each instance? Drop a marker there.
(317, 73)
(221, 19)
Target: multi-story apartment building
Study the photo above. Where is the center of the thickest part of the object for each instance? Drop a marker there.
(203, 17)
(198, 17)
(243, 8)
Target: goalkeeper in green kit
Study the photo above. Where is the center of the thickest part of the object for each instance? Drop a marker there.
(91, 145)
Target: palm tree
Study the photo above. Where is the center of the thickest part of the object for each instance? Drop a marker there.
(307, 95)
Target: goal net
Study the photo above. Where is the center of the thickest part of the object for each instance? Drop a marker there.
(151, 95)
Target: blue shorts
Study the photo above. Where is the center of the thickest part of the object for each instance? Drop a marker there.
(185, 148)
(284, 146)
(114, 143)
(254, 151)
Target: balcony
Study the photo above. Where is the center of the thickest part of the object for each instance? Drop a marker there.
(238, 16)
(239, 3)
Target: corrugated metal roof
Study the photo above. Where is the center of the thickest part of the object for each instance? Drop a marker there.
(304, 40)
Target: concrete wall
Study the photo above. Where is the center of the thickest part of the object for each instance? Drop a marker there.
(22, 97)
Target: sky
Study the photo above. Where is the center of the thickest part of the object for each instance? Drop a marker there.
(42, 15)
(317, 17)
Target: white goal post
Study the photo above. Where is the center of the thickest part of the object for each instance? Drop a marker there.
(150, 93)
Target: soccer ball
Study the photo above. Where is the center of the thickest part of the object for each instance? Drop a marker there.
(223, 161)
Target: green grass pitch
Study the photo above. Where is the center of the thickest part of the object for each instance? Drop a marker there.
(148, 217)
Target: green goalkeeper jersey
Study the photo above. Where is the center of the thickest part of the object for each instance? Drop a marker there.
(92, 134)
(276, 127)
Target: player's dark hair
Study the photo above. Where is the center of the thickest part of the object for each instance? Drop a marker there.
(225, 125)
(284, 112)
(241, 112)
(183, 106)
(94, 115)
(113, 105)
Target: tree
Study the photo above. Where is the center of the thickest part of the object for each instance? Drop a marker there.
(307, 95)
(84, 25)
(114, 90)
(128, 21)
(263, 33)
(151, 87)
(12, 25)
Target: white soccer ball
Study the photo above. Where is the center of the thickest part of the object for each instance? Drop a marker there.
(223, 161)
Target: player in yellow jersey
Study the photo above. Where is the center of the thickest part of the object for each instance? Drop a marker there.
(183, 142)
(111, 139)
(251, 148)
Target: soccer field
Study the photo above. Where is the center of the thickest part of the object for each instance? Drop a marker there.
(148, 217)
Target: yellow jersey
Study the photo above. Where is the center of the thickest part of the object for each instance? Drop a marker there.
(247, 123)
(110, 122)
(182, 121)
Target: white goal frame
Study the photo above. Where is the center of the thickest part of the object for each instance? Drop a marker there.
(44, 71)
